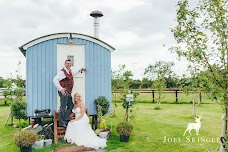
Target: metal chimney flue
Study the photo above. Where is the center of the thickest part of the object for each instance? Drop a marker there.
(96, 15)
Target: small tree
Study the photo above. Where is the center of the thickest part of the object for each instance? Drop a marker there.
(158, 72)
(128, 106)
(9, 92)
(18, 107)
(127, 79)
(193, 87)
(1, 82)
(18, 110)
(121, 79)
(117, 77)
(202, 37)
(159, 84)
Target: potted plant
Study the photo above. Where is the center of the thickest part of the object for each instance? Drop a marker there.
(103, 131)
(124, 129)
(25, 139)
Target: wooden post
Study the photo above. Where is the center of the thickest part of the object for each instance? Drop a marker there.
(115, 98)
(153, 95)
(200, 98)
(176, 96)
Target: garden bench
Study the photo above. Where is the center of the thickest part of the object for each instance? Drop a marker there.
(59, 132)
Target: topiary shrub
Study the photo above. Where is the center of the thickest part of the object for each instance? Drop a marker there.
(25, 138)
(18, 110)
(124, 128)
(104, 103)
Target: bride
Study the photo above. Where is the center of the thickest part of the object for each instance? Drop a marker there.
(79, 131)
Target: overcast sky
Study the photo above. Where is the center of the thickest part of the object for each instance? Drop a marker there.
(138, 29)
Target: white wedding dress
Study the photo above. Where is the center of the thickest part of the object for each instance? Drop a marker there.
(80, 133)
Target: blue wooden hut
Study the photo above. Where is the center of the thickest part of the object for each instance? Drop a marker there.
(45, 56)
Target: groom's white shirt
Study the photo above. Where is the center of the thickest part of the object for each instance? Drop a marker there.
(61, 76)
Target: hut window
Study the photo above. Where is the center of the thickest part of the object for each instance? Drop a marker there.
(71, 57)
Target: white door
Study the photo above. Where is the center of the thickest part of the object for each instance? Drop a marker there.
(77, 56)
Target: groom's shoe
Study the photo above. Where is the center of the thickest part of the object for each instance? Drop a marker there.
(68, 141)
(62, 125)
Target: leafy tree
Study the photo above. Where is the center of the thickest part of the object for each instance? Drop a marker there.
(146, 83)
(159, 84)
(135, 84)
(117, 77)
(127, 78)
(128, 106)
(158, 72)
(15, 88)
(171, 81)
(9, 92)
(194, 87)
(1, 82)
(18, 110)
(201, 34)
(184, 81)
(121, 78)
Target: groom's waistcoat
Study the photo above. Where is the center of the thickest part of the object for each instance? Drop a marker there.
(68, 82)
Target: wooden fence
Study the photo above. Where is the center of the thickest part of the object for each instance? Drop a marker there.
(153, 91)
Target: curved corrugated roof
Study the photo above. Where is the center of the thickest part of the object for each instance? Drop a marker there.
(24, 47)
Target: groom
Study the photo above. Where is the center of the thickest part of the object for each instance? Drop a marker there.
(64, 82)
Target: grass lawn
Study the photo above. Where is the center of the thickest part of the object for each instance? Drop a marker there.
(171, 121)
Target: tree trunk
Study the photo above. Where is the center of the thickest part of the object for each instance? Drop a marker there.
(126, 114)
(223, 132)
(115, 99)
(193, 106)
(159, 100)
(226, 101)
(20, 123)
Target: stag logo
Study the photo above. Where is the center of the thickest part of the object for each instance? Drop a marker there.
(195, 126)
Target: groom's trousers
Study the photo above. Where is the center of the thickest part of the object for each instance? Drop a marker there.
(66, 106)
